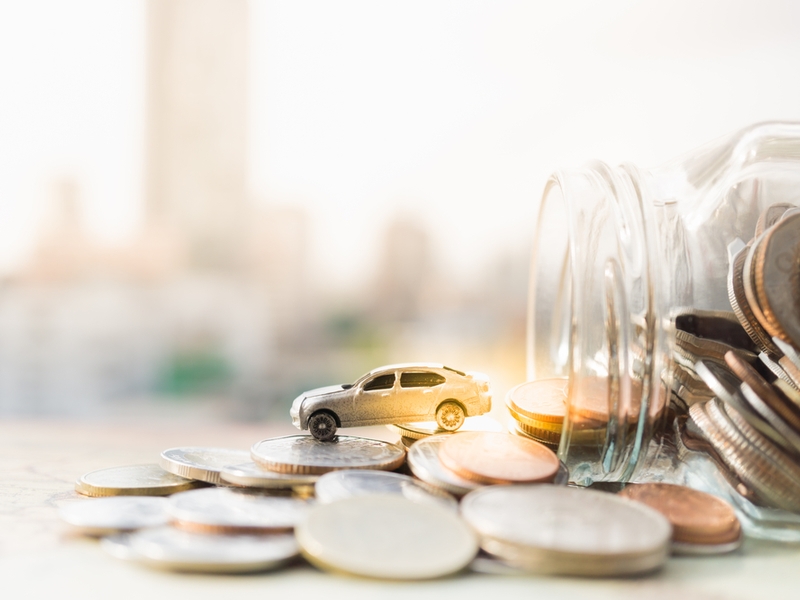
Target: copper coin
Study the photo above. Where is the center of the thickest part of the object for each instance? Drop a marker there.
(591, 403)
(770, 216)
(543, 400)
(498, 458)
(696, 517)
(776, 400)
(777, 279)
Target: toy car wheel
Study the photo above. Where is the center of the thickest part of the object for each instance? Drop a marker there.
(450, 415)
(322, 426)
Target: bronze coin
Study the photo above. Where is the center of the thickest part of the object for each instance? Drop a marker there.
(696, 517)
(776, 400)
(777, 279)
(543, 400)
(498, 458)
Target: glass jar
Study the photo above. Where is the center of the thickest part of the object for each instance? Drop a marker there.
(627, 264)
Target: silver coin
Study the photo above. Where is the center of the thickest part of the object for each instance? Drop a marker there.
(685, 549)
(303, 454)
(568, 530)
(133, 480)
(249, 474)
(173, 549)
(763, 409)
(388, 537)
(423, 460)
(226, 509)
(201, 463)
(723, 383)
(778, 369)
(118, 546)
(345, 484)
(101, 516)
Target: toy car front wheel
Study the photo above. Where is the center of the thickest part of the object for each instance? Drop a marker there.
(450, 415)
(322, 426)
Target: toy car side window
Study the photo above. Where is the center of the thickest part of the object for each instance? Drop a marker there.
(381, 382)
(420, 379)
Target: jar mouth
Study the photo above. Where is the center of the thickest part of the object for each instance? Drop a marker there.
(591, 319)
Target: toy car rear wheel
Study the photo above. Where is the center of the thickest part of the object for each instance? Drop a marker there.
(322, 425)
(450, 415)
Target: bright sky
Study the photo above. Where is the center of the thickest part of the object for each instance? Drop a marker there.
(452, 111)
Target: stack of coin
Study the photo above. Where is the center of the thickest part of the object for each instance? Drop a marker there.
(567, 531)
(701, 523)
(539, 408)
(749, 409)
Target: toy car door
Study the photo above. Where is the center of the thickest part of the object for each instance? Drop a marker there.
(419, 391)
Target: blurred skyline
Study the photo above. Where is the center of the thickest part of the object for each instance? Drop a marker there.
(241, 200)
(454, 112)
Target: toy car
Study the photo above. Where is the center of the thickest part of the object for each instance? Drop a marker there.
(394, 394)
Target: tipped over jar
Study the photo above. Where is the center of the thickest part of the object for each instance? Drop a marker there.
(668, 301)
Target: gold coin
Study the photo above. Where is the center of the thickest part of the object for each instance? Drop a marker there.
(543, 400)
(498, 458)
(133, 480)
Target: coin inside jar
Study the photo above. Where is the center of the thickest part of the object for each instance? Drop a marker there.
(498, 458)
(696, 517)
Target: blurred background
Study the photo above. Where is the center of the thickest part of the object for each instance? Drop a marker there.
(209, 206)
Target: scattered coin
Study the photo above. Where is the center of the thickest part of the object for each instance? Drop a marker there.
(101, 516)
(696, 517)
(133, 480)
(249, 474)
(351, 536)
(176, 550)
(567, 531)
(423, 460)
(302, 454)
(498, 458)
(201, 463)
(226, 510)
(345, 484)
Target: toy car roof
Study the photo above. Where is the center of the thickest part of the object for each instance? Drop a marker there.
(419, 365)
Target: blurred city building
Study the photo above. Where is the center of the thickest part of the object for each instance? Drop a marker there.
(212, 299)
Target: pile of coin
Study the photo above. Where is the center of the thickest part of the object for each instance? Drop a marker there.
(738, 373)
